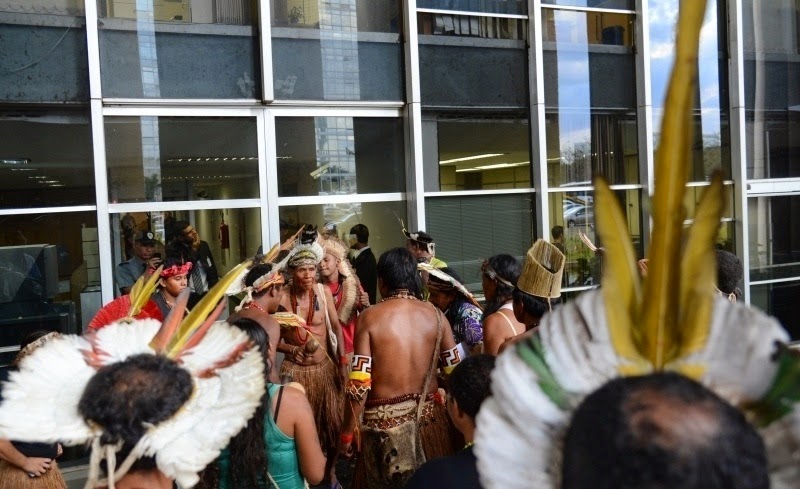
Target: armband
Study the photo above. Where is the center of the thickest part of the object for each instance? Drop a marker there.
(450, 359)
(360, 378)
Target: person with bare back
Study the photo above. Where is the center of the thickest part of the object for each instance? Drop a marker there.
(399, 343)
(314, 353)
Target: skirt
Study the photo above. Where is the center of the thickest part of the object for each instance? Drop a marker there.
(12, 477)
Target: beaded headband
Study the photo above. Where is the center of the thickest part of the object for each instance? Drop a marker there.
(175, 270)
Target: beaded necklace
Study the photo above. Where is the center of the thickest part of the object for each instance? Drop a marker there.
(400, 294)
(253, 304)
(311, 297)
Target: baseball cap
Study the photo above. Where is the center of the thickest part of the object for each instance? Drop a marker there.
(145, 237)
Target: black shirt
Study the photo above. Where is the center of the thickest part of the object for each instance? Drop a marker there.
(456, 471)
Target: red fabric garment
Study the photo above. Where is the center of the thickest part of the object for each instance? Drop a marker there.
(349, 329)
(118, 309)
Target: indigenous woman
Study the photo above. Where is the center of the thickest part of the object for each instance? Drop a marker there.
(499, 276)
(30, 465)
(458, 306)
(173, 279)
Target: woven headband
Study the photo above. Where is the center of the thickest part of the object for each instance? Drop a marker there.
(175, 270)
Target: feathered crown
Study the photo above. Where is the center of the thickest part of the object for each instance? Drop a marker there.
(668, 321)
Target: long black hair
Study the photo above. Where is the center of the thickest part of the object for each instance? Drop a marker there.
(507, 268)
(248, 451)
(398, 270)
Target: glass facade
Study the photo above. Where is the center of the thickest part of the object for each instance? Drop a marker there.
(470, 119)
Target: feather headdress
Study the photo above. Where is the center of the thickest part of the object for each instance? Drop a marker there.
(130, 307)
(450, 281)
(41, 399)
(348, 295)
(670, 321)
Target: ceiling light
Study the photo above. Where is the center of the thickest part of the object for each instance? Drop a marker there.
(15, 161)
(23, 169)
(37, 177)
(493, 167)
(468, 158)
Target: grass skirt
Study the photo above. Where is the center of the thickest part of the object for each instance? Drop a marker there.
(438, 440)
(12, 477)
(323, 384)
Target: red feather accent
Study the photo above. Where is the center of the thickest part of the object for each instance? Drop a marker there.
(118, 309)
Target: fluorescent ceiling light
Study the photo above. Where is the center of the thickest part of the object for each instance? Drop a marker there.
(15, 161)
(468, 158)
(493, 167)
(23, 169)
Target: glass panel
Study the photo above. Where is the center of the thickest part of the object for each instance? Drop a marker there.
(456, 52)
(339, 155)
(610, 4)
(779, 300)
(485, 151)
(319, 48)
(468, 230)
(590, 97)
(381, 218)
(179, 49)
(155, 159)
(573, 213)
(711, 130)
(774, 234)
(44, 51)
(691, 201)
(772, 92)
(232, 236)
(515, 7)
(46, 158)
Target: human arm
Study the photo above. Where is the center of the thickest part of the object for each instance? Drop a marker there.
(125, 278)
(309, 452)
(358, 385)
(31, 465)
(494, 328)
(470, 318)
(333, 317)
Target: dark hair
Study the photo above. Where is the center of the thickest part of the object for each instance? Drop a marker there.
(557, 231)
(125, 396)
(362, 233)
(31, 337)
(508, 268)
(254, 274)
(248, 450)
(661, 431)
(729, 272)
(470, 382)
(534, 305)
(397, 268)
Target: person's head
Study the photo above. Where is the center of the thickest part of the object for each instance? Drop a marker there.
(185, 232)
(421, 245)
(441, 293)
(661, 431)
(359, 235)
(397, 270)
(248, 452)
(499, 276)
(174, 276)
(330, 230)
(302, 264)
(333, 259)
(558, 233)
(144, 244)
(470, 383)
(729, 274)
(529, 309)
(269, 297)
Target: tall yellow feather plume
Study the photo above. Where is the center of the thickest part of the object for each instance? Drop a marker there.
(202, 310)
(621, 284)
(142, 290)
(659, 322)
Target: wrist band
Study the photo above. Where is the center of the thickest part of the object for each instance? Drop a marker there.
(346, 438)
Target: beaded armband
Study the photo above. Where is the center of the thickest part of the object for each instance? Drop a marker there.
(360, 381)
(450, 359)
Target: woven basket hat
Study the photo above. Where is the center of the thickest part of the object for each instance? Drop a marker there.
(542, 271)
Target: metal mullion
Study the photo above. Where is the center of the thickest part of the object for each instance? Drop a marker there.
(155, 111)
(775, 281)
(738, 138)
(644, 111)
(182, 102)
(270, 180)
(93, 49)
(265, 37)
(313, 110)
(183, 205)
(340, 199)
(354, 104)
(537, 117)
(263, 189)
(588, 9)
(471, 14)
(101, 196)
(466, 193)
(47, 210)
(415, 179)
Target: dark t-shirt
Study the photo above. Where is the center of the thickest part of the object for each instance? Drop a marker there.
(456, 471)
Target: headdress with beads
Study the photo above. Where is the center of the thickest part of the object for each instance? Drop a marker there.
(671, 320)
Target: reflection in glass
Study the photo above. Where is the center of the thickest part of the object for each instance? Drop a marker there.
(772, 92)
(337, 50)
(590, 97)
(468, 230)
(233, 235)
(512, 7)
(46, 158)
(774, 236)
(779, 300)
(711, 130)
(485, 151)
(153, 49)
(691, 201)
(339, 155)
(381, 218)
(155, 159)
(610, 4)
(43, 46)
(572, 212)
(439, 24)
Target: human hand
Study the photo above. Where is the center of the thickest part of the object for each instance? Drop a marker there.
(643, 267)
(364, 299)
(346, 446)
(36, 466)
(298, 354)
(60, 450)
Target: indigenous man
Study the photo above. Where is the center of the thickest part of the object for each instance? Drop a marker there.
(263, 286)
(144, 244)
(458, 305)
(321, 371)
(539, 286)
(399, 341)
(348, 296)
(421, 245)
